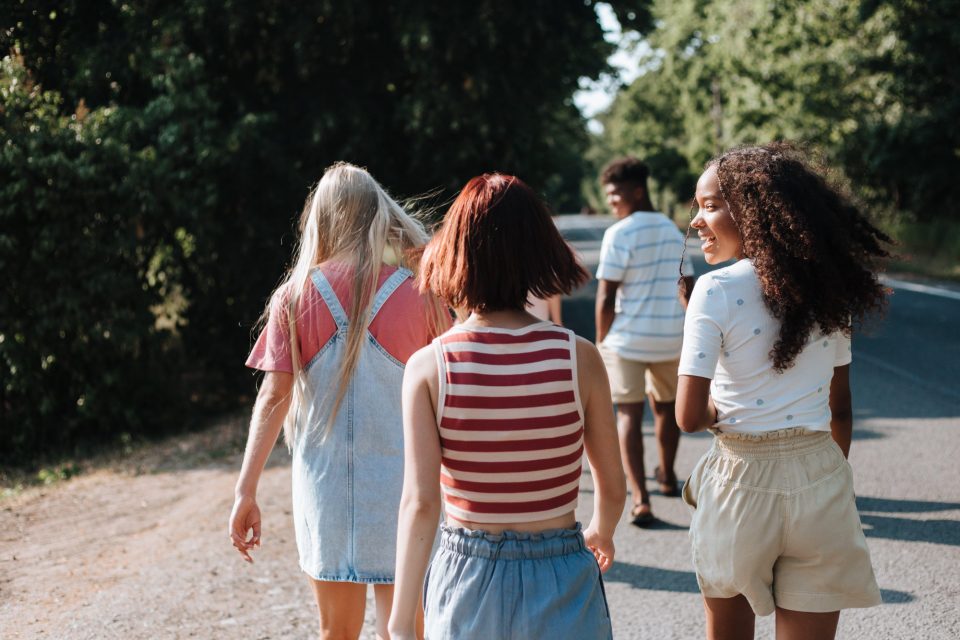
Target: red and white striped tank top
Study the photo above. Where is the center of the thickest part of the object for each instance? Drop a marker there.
(511, 422)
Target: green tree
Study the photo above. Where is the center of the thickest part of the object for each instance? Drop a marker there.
(220, 115)
(867, 83)
(82, 354)
(906, 150)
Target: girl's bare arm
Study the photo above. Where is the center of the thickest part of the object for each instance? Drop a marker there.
(269, 412)
(603, 453)
(841, 408)
(694, 408)
(420, 502)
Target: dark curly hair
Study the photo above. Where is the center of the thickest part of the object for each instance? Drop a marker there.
(816, 255)
(628, 170)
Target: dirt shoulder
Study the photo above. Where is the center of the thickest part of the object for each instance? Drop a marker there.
(139, 549)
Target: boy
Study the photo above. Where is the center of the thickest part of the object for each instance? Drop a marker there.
(640, 324)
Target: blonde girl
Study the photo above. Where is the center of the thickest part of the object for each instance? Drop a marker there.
(338, 332)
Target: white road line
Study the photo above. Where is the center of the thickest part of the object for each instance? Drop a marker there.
(920, 288)
(903, 373)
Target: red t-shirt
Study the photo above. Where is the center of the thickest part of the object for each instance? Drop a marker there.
(401, 327)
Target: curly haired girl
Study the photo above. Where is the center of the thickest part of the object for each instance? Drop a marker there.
(765, 366)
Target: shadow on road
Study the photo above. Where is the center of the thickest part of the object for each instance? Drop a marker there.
(866, 434)
(908, 529)
(880, 392)
(891, 596)
(890, 404)
(652, 578)
(663, 525)
(889, 505)
(656, 579)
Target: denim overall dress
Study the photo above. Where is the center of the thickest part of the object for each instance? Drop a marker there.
(346, 485)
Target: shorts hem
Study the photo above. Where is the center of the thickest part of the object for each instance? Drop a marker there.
(764, 608)
(632, 380)
(643, 398)
(630, 399)
(350, 577)
(825, 602)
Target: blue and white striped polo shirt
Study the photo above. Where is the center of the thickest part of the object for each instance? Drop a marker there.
(642, 252)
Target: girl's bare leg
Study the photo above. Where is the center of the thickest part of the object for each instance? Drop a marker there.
(729, 618)
(383, 595)
(340, 606)
(800, 625)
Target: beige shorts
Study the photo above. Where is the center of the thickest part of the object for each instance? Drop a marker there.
(632, 380)
(774, 519)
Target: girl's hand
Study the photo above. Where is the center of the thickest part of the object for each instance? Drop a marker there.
(601, 546)
(245, 517)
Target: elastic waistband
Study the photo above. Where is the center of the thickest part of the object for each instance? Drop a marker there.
(512, 545)
(771, 444)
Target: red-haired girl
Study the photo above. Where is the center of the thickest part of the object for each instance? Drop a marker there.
(497, 414)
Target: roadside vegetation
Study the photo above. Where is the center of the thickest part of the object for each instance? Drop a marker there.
(155, 155)
(868, 86)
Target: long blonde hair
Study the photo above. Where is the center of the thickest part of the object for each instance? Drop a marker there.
(347, 216)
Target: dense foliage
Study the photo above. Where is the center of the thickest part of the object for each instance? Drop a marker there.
(869, 83)
(155, 155)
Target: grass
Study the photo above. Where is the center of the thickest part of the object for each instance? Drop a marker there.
(930, 249)
(216, 444)
(15, 482)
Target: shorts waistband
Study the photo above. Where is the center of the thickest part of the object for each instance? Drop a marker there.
(512, 545)
(771, 444)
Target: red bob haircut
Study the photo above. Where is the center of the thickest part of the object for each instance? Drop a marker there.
(497, 247)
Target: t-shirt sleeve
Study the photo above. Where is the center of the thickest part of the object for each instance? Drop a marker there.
(844, 350)
(703, 330)
(271, 352)
(614, 257)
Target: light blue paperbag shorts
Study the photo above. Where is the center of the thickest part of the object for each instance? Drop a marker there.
(514, 585)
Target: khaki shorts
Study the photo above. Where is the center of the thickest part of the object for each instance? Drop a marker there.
(632, 380)
(774, 519)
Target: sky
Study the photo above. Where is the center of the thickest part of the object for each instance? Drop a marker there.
(595, 96)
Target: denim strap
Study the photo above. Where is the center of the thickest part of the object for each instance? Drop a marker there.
(333, 304)
(387, 290)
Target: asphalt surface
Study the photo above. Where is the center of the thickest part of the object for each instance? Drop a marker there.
(144, 553)
(905, 453)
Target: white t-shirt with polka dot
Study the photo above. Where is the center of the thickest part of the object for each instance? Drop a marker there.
(728, 334)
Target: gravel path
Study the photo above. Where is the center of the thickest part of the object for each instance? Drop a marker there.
(139, 549)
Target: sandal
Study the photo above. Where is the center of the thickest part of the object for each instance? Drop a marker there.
(667, 487)
(641, 515)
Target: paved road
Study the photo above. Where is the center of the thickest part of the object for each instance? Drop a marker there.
(906, 445)
(905, 458)
(146, 556)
